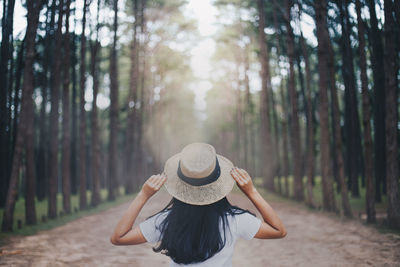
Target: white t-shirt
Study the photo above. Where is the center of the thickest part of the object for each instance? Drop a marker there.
(243, 226)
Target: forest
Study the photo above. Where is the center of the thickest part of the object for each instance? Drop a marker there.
(95, 95)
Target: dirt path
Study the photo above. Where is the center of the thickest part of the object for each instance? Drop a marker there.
(314, 239)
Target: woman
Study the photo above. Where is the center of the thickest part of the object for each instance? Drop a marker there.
(199, 226)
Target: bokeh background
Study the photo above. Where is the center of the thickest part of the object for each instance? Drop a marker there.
(97, 94)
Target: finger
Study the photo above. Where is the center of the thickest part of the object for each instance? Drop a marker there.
(153, 183)
(151, 179)
(239, 173)
(239, 176)
(234, 175)
(244, 175)
(236, 178)
(245, 172)
(160, 181)
(240, 182)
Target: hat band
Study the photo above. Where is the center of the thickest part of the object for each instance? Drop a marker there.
(200, 181)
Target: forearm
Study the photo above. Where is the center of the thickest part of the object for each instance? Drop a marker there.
(127, 221)
(266, 211)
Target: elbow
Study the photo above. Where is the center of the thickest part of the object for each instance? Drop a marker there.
(114, 240)
(283, 233)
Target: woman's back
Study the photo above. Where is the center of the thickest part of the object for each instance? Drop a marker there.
(199, 227)
(243, 225)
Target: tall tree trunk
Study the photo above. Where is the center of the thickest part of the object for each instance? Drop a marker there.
(132, 107)
(369, 167)
(277, 165)
(309, 120)
(43, 149)
(96, 198)
(238, 115)
(338, 135)
(30, 178)
(142, 93)
(352, 125)
(6, 56)
(323, 71)
(285, 139)
(54, 118)
(378, 72)
(284, 170)
(74, 113)
(66, 141)
(298, 192)
(266, 145)
(392, 164)
(82, 125)
(34, 8)
(16, 101)
(113, 146)
(246, 117)
(250, 138)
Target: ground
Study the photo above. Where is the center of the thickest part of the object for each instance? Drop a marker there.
(313, 239)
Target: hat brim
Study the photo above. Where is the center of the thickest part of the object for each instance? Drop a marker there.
(198, 195)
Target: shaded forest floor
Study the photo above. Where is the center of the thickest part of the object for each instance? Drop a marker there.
(314, 239)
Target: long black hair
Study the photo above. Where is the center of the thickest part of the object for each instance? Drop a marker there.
(191, 233)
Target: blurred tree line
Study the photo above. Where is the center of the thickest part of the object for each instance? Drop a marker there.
(90, 97)
(94, 95)
(328, 102)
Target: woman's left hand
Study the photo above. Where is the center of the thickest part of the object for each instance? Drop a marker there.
(153, 184)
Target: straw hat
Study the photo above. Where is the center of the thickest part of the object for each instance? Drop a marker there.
(198, 175)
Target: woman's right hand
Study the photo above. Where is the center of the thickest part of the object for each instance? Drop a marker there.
(153, 184)
(243, 180)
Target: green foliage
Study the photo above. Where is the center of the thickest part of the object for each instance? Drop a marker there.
(41, 210)
(357, 203)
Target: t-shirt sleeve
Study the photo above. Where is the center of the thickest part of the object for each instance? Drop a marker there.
(247, 225)
(150, 228)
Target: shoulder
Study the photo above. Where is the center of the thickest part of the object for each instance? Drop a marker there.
(158, 217)
(150, 227)
(246, 225)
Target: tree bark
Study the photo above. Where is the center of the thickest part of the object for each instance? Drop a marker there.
(30, 178)
(43, 148)
(352, 125)
(285, 140)
(96, 198)
(112, 160)
(74, 114)
(16, 102)
(337, 142)
(238, 115)
(298, 191)
(323, 71)
(309, 117)
(284, 168)
(378, 72)
(142, 98)
(392, 165)
(132, 106)
(66, 141)
(6, 56)
(277, 158)
(266, 145)
(54, 118)
(34, 8)
(368, 146)
(246, 114)
(82, 125)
